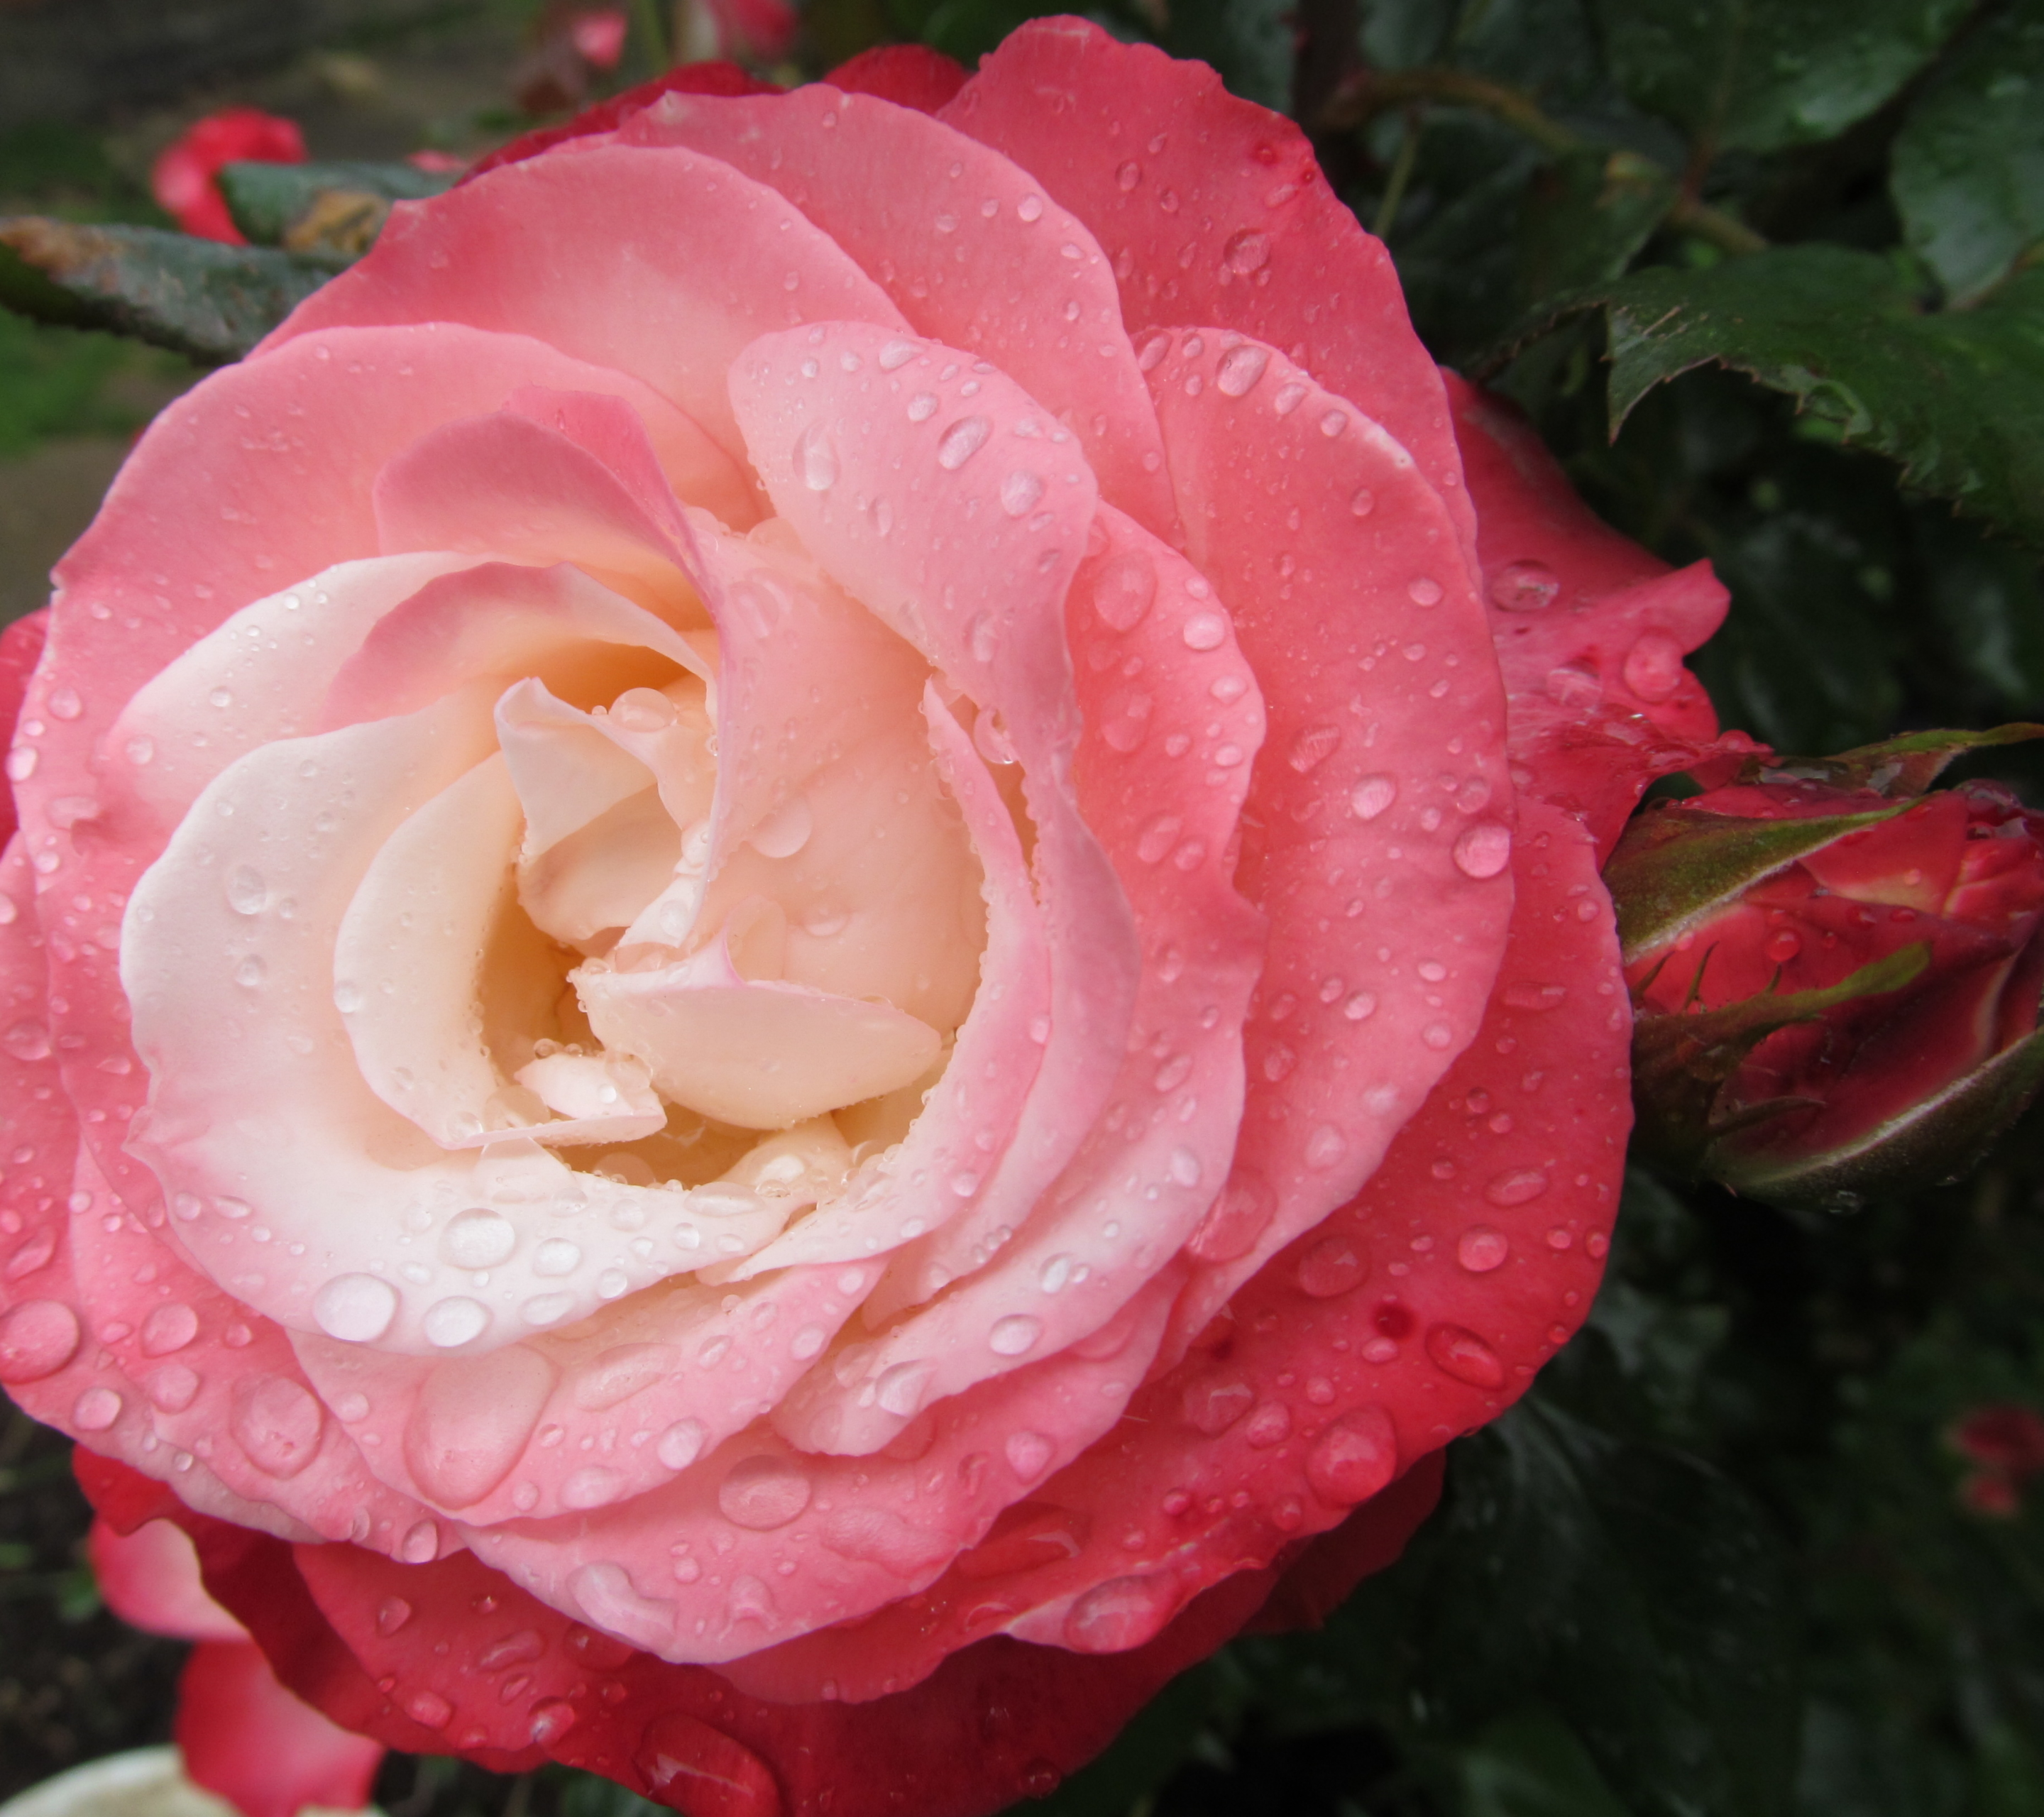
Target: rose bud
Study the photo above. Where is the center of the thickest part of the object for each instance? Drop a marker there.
(243, 1736)
(807, 958)
(1836, 974)
(182, 178)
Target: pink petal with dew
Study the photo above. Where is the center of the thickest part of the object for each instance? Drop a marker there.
(939, 222)
(828, 800)
(1162, 789)
(247, 1739)
(959, 511)
(150, 1579)
(225, 498)
(610, 1409)
(697, 1571)
(625, 283)
(1213, 210)
(1415, 1312)
(1379, 834)
(970, 1116)
(260, 676)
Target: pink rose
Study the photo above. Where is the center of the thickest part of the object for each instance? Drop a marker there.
(807, 952)
(182, 178)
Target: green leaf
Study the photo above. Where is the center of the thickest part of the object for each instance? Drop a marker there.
(1901, 767)
(1248, 41)
(1675, 867)
(1531, 1764)
(196, 296)
(1636, 1592)
(1958, 398)
(1586, 215)
(1759, 75)
(1968, 166)
(334, 209)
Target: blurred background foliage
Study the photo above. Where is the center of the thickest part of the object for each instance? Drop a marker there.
(1768, 275)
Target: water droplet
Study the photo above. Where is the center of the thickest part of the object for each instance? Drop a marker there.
(168, 1328)
(1205, 630)
(1332, 1265)
(763, 1493)
(347, 996)
(221, 698)
(1783, 944)
(1517, 1187)
(1016, 1335)
(1028, 1454)
(429, 1708)
(1240, 368)
(250, 973)
(691, 1761)
(900, 1390)
(643, 709)
(1484, 850)
(1333, 423)
(816, 456)
(139, 750)
(247, 893)
(1424, 591)
(1123, 589)
(1325, 1148)
(453, 1322)
(392, 1613)
(1313, 747)
(1121, 1613)
(1372, 796)
(1480, 1249)
(21, 762)
(1573, 684)
(1524, 586)
(556, 1256)
(64, 704)
(1019, 492)
(959, 442)
(478, 1238)
(551, 1720)
(1654, 666)
(1361, 1007)
(1030, 207)
(594, 1485)
(356, 1308)
(27, 1039)
(278, 1423)
(37, 1338)
(786, 831)
(1128, 176)
(1528, 996)
(1355, 1457)
(1154, 844)
(895, 355)
(682, 1444)
(922, 407)
(1464, 1356)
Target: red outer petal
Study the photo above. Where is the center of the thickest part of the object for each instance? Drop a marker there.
(998, 1721)
(21, 649)
(248, 1739)
(1593, 630)
(689, 78)
(909, 75)
(150, 1579)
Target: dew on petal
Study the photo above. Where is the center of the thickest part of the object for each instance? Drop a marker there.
(959, 442)
(1524, 586)
(1484, 850)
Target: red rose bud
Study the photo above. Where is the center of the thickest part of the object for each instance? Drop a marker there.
(183, 179)
(2006, 1437)
(1836, 976)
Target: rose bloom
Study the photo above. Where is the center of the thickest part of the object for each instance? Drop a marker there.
(1888, 1086)
(806, 957)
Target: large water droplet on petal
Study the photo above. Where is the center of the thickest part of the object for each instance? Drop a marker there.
(1355, 1457)
(1484, 850)
(37, 1338)
(277, 1422)
(1123, 589)
(959, 442)
(1524, 586)
(1015, 1335)
(763, 1493)
(816, 457)
(1240, 367)
(1654, 666)
(357, 1308)
(1464, 1356)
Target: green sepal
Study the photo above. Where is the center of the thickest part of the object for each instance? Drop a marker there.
(329, 211)
(1941, 1139)
(1675, 867)
(1900, 768)
(1681, 1063)
(198, 297)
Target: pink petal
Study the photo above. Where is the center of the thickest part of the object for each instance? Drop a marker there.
(961, 240)
(1125, 1204)
(1379, 846)
(21, 649)
(247, 1739)
(150, 1579)
(624, 282)
(1213, 210)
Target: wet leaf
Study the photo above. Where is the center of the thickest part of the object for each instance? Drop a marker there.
(1968, 173)
(1759, 75)
(330, 210)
